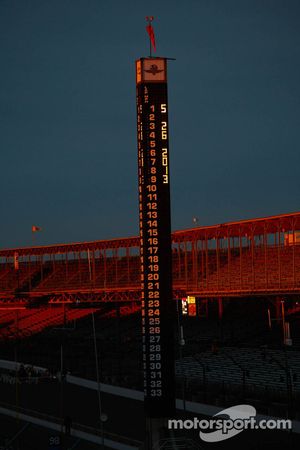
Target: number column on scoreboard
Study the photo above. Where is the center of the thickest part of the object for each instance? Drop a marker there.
(155, 237)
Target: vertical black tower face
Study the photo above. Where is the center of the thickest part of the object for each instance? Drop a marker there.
(155, 236)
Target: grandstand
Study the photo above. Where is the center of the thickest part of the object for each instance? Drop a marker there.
(252, 258)
(237, 258)
(246, 279)
(24, 322)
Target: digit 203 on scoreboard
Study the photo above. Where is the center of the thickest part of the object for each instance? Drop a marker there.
(155, 236)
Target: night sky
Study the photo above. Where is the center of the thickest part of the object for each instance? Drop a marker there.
(68, 120)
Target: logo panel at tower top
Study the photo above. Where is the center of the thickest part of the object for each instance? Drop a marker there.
(153, 70)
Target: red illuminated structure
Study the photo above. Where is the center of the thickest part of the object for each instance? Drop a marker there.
(236, 259)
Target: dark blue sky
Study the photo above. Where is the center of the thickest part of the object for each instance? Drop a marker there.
(68, 121)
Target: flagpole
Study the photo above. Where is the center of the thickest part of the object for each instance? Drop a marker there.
(149, 20)
(34, 229)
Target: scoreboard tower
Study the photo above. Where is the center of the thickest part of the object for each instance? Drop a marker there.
(155, 237)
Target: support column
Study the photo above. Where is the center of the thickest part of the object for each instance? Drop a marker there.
(220, 308)
(277, 305)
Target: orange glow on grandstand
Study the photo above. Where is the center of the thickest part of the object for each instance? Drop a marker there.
(230, 259)
(235, 259)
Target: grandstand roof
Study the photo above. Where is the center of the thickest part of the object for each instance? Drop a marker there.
(257, 226)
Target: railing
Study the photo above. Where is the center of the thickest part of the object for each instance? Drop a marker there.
(74, 427)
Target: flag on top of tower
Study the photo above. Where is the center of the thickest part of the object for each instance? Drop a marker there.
(150, 31)
(34, 228)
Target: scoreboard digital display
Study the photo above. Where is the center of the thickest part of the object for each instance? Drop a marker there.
(155, 236)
